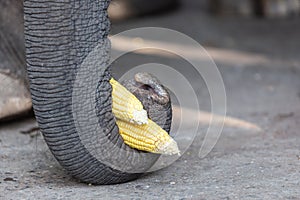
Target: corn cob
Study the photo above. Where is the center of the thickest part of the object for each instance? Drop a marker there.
(126, 106)
(148, 137)
(138, 131)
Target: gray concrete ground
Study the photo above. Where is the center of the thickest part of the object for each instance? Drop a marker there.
(245, 164)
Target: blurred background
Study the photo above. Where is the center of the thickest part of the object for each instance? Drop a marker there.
(255, 45)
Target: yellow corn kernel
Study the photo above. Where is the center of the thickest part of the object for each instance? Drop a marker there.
(126, 106)
(147, 137)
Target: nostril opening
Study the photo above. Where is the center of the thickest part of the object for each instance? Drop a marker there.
(146, 87)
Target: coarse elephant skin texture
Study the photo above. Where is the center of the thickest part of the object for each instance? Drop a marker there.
(59, 36)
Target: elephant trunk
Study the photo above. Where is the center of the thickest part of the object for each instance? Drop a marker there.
(59, 36)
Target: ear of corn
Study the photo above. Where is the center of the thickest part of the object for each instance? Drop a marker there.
(126, 106)
(148, 137)
(137, 130)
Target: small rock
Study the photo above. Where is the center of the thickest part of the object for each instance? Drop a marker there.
(143, 187)
(9, 179)
(172, 183)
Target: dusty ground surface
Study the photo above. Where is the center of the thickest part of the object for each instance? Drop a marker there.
(245, 164)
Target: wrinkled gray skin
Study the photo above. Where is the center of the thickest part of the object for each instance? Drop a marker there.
(59, 34)
(154, 96)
